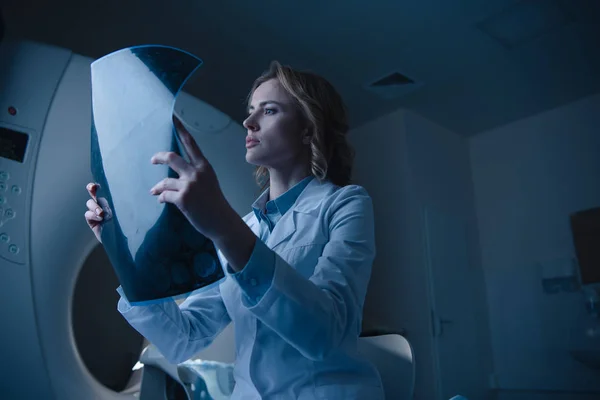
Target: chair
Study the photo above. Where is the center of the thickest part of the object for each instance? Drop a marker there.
(393, 356)
(190, 380)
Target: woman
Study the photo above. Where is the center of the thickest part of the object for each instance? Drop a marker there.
(297, 266)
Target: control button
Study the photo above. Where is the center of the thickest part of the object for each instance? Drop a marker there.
(2, 200)
(4, 176)
(253, 282)
(4, 238)
(2, 186)
(15, 189)
(9, 213)
(13, 248)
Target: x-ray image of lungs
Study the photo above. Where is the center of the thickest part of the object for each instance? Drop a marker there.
(156, 253)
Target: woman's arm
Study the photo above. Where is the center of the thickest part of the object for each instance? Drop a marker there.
(179, 332)
(236, 242)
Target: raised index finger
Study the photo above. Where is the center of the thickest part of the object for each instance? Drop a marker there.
(189, 144)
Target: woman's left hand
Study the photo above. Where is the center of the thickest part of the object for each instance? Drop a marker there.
(196, 192)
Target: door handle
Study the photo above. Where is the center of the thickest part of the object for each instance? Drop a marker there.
(438, 324)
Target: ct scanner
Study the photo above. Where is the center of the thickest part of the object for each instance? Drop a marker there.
(62, 336)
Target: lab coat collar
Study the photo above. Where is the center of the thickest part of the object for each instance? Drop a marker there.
(311, 196)
(307, 203)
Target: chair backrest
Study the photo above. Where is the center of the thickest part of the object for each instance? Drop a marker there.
(393, 356)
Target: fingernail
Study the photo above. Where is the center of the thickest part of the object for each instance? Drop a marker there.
(98, 211)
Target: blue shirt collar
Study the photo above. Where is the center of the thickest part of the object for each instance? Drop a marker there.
(281, 204)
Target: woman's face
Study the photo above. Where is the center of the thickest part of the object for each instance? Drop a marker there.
(275, 128)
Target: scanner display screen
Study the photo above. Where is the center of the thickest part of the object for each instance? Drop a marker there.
(13, 144)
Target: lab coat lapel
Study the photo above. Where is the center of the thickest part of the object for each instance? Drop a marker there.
(305, 203)
(283, 229)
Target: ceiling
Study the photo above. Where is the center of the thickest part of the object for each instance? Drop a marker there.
(476, 64)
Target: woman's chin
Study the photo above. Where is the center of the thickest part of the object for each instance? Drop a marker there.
(251, 159)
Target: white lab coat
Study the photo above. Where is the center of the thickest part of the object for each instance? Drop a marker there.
(298, 339)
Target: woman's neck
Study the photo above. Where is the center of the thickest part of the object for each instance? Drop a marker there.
(281, 181)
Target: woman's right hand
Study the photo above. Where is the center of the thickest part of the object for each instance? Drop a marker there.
(94, 215)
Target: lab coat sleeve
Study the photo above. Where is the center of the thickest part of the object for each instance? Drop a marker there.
(315, 315)
(256, 277)
(181, 331)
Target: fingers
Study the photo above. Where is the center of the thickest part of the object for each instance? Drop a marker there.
(190, 146)
(95, 209)
(169, 196)
(92, 218)
(92, 188)
(167, 184)
(174, 161)
(94, 215)
(94, 212)
(95, 225)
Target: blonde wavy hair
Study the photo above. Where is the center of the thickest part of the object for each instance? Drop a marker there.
(332, 157)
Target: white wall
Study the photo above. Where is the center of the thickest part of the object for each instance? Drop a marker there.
(528, 176)
(407, 163)
(441, 181)
(395, 288)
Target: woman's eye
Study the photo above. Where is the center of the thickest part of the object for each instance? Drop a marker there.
(269, 111)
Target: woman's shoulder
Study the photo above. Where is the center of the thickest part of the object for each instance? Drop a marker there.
(352, 196)
(337, 192)
(329, 188)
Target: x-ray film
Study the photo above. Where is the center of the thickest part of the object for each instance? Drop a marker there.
(156, 253)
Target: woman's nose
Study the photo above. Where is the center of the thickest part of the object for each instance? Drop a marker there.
(250, 124)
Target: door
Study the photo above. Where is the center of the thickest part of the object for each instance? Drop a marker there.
(454, 328)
